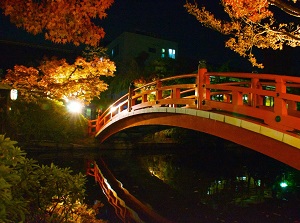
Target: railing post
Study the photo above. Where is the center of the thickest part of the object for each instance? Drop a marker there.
(237, 98)
(89, 127)
(158, 91)
(175, 95)
(254, 96)
(98, 123)
(144, 98)
(201, 84)
(280, 106)
(130, 94)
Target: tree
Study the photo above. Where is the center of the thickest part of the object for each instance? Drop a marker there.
(33, 193)
(56, 79)
(62, 21)
(252, 23)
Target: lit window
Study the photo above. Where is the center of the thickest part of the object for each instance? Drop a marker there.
(115, 51)
(163, 52)
(172, 53)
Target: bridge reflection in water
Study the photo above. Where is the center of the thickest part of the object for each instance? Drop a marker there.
(258, 111)
(127, 207)
(189, 188)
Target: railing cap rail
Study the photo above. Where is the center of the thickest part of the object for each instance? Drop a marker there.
(252, 75)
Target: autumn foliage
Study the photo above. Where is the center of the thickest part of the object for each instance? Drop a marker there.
(252, 23)
(62, 21)
(56, 79)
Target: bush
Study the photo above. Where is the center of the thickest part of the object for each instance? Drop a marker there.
(45, 120)
(33, 193)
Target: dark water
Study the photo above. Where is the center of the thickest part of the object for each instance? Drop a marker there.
(222, 183)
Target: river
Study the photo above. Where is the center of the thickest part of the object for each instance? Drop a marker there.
(192, 183)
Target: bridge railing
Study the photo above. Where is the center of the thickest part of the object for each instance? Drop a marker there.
(270, 99)
(273, 99)
(177, 91)
(121, 209)
(127, 207)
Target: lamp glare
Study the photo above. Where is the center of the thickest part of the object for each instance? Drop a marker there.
(283, 184)
(74, 107)
(13, 94)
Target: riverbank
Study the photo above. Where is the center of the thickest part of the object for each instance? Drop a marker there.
(91, 144)
(46, 145)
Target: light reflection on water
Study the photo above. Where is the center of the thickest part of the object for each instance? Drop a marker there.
(229, 180)
(241, 190)
(231, 183)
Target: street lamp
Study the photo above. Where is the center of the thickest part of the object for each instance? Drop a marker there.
(74, 106)
(13, 94)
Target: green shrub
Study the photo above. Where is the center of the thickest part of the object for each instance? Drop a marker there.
(36, 193)
(45, 120)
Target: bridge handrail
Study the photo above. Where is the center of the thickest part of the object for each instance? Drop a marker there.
(120, 105)
(144, 86)
(124, 203)
(283, 113)
(255, 75)
(283, 92)
(121, 209)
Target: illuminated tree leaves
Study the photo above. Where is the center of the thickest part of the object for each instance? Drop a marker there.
(58, 80)
(251, 24)
(61, 21)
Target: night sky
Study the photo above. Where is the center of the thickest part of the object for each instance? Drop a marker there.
(166, 19)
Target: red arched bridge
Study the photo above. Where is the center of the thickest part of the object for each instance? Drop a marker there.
(258, 111)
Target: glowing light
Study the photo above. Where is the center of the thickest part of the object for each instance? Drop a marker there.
(13, 94)
(75, 106)
(283, 184)
(259, 183)
(241, 178)
(112, 109)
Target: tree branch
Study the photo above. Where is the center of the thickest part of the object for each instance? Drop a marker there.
(72, 73)
(287, 8)
(287, 34)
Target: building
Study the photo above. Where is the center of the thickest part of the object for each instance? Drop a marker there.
(132, 45)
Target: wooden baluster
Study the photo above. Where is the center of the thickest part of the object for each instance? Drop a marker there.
(130, 95)
(175, 95)
(201, 82)
(237, 98)
(144, 98)
(292, 105)
(253, 98)
(280, 107)
(158, 91)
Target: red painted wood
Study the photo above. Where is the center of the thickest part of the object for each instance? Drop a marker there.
(273, 100)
